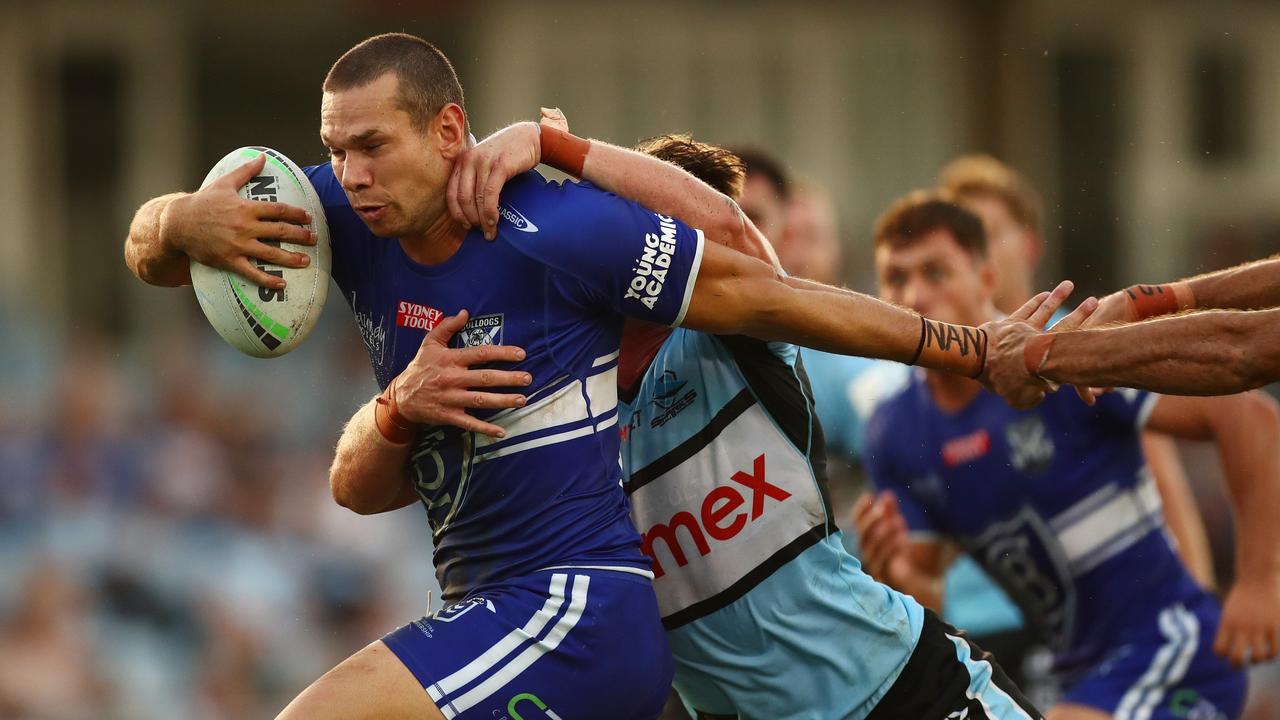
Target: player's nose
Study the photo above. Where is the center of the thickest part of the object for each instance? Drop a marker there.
(916, 297)
(356, 176)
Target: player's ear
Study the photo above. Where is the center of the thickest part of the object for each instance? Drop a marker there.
(449, 128)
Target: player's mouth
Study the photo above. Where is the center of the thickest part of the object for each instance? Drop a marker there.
(371, 213)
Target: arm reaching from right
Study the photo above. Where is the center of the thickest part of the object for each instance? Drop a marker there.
(1250, 286)
(1209, 353)
(217, 227)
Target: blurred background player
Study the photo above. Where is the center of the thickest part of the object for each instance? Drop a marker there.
(1011, 213)
(1058, 505)
(810, 247)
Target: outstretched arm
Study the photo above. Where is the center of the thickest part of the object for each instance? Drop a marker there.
(735, 294)
(1209, 353)
(1250, 286)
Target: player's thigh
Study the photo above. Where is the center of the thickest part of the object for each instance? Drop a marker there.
(373, 683)
(1067, 711)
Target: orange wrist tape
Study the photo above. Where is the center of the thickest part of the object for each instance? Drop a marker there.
(1151, 300)
(1037, 351)
(386, 415)
(563, 151)
(956, 349)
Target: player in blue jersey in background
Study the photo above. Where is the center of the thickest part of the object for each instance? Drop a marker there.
(549, 602)
(1011, 211)
(844, 388)
(768, 615)
(1057, 503)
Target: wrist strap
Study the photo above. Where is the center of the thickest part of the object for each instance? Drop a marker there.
(1151, 300)
(563, 151)
(957, 349)
(386, 415)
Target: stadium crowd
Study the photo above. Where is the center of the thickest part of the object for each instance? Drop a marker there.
(167, 543)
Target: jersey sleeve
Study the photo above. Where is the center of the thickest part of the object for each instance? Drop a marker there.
(640, 264)
(1128, 406)
(885, 474)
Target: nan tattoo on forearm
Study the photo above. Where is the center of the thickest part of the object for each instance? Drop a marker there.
(958, 349)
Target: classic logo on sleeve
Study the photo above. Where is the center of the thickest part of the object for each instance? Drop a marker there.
(518, 221)
(652, 265)
(418, 317)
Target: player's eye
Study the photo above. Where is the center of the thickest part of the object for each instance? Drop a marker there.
(935, 274)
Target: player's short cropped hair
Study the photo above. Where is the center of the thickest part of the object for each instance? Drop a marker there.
(970, 176)
(760, 162)
(427, 81)
(913, 217)
(712, 164)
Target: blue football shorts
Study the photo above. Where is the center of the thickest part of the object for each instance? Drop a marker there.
(1165, 669)
(561, 644)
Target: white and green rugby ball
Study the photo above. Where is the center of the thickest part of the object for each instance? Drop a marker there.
(258, 321)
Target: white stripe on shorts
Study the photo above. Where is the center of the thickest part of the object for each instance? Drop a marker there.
(495, 682)
(1181, 630)
(505, 646)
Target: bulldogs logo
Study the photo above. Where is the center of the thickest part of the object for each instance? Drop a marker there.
(482, 330)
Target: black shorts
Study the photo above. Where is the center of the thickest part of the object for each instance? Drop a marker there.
(950, 678)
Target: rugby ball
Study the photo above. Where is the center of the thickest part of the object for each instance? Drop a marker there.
(264, 322)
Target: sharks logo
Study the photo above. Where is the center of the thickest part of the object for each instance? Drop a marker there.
(482, 330)
(665, 389)
(670, 398)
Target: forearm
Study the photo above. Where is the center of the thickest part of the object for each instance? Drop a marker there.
(1246, 431)
(763, 305)
(1209, 353)
(1244, 287)
(146, 251)
(1180, 512)
(368, 475)
(670, 190)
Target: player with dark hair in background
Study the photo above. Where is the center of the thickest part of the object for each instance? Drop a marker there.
(1058, 505)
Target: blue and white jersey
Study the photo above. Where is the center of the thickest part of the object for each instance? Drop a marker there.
(768, 615)
(1056, 503)
(568, 262)
(970, 599)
